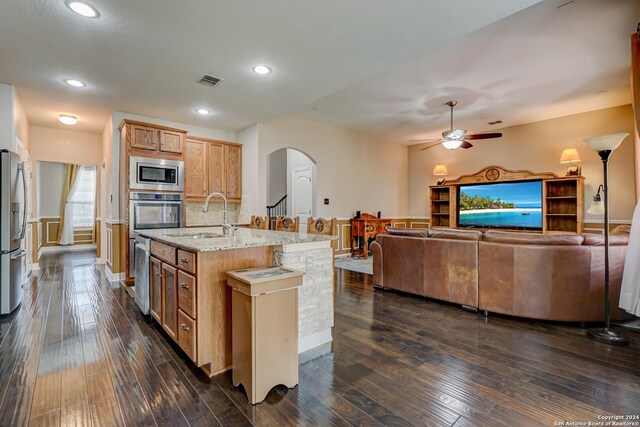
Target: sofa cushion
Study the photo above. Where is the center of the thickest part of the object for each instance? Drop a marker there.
(532, 238)
(408, 232)
(449, 233)
(615, 239)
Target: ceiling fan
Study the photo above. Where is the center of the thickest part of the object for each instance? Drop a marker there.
(456, 138)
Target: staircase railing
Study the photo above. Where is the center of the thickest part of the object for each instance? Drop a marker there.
(279, 209)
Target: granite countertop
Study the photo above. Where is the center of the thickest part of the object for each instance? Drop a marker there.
(214, 240)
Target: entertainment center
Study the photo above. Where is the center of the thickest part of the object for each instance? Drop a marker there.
(520, 200)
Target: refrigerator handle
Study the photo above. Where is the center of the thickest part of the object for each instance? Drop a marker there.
(24, 192)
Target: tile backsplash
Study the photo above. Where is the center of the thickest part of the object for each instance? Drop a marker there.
(215, 215)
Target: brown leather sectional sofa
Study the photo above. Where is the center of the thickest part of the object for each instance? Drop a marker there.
(550, 277)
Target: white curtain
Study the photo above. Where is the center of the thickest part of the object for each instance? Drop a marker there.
(630, 290)
(66, 235)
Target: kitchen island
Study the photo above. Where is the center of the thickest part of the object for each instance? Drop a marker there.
(192, 302)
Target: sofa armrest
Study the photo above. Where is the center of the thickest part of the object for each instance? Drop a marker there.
(376, 249)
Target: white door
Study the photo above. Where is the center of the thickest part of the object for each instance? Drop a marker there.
(302, 194)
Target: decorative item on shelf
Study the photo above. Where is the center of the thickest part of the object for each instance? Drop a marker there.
(597, 207)
(571, 156)
(604, 145)
(440, 170)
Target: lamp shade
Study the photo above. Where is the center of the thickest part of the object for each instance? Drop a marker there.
(452, 144)
(597, 208)
(440, 170)
(569, 155)
(607, 142)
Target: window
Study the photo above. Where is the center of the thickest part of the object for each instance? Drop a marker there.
(84, 198)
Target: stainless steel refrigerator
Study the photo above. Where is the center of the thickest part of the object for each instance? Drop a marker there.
(13, 224)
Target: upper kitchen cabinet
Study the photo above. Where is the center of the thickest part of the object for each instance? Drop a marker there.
(213, 166)
(153, 139)
(233, 157)
(195, 168)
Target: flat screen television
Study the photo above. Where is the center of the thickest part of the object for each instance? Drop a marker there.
(509, 205)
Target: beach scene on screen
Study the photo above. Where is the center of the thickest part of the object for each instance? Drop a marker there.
(510, 204)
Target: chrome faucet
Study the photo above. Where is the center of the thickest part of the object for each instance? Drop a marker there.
(226, 227)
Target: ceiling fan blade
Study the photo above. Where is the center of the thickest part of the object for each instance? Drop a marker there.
(466, 144)
(430, 146)
(484, 135)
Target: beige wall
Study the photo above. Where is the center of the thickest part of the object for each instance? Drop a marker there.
(51, 176)
(537, 147)
(355, 171)
(65, 146)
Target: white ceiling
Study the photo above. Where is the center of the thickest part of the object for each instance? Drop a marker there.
(380, 67)
(541, 63)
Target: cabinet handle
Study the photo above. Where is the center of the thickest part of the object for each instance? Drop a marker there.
(184, 327)
(186, 261)
(184, 286)
(159, 275)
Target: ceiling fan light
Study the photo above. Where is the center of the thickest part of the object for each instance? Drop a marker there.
(451, 144)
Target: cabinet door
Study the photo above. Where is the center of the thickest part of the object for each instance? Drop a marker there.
(170, 306)
(195, 167)
(234, 172)
(171, 141)
(155, 279)
(144, 137)
(215, 167)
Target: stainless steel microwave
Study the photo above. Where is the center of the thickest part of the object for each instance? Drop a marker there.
(146, 173)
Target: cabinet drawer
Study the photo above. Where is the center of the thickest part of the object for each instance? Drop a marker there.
(187, 290)
(187, 261)
(164, 252)
(187, 334)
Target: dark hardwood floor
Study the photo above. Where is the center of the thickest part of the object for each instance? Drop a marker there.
(79, 353)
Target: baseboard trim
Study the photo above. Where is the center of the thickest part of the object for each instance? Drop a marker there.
(111, 276)
(314, 340)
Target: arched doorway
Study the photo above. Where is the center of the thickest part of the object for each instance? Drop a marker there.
(291, 184)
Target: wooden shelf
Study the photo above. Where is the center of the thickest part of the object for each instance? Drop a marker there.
(563, 205)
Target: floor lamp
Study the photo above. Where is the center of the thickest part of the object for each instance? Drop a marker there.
(604, 145)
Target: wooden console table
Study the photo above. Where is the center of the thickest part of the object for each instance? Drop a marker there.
(367, 227)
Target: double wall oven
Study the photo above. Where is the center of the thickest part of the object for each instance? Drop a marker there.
(160, 206)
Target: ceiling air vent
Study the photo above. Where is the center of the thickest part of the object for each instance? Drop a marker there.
(209, 80)
(496, 122)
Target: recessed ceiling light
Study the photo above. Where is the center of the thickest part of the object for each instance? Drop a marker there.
(83, 9)
(67, 119)
(203, 111)
(75, 83)
(261, 69)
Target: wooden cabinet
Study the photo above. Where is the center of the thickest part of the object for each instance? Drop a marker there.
(563, 205)
(170, 300)
(174, 294)
(155, 284)
(562, 198)
(195, 169)
(213, 166)
(152, 138)
(443, 206)
(233, 158)
(190, 298)
(187, 334)
(187, 293)
(144, 137)
(170, 141)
